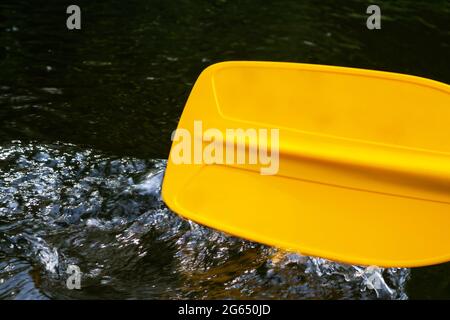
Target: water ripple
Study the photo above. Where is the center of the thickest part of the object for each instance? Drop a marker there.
(63, 205)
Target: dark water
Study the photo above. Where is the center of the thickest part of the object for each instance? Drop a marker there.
(86, 117)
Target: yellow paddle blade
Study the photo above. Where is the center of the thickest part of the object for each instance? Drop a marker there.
(346, 164)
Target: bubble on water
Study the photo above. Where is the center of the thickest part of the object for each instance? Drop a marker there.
(94, 223)
(152, 183)
(372, 277)
(49, 257)
(52, 90)
(38, 248)
(41, 156)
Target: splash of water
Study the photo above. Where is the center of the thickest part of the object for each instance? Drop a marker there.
(62, 205)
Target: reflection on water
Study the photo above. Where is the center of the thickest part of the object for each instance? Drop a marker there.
(118, 86)
(61, 205)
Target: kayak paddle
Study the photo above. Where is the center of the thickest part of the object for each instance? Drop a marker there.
(347, 164)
